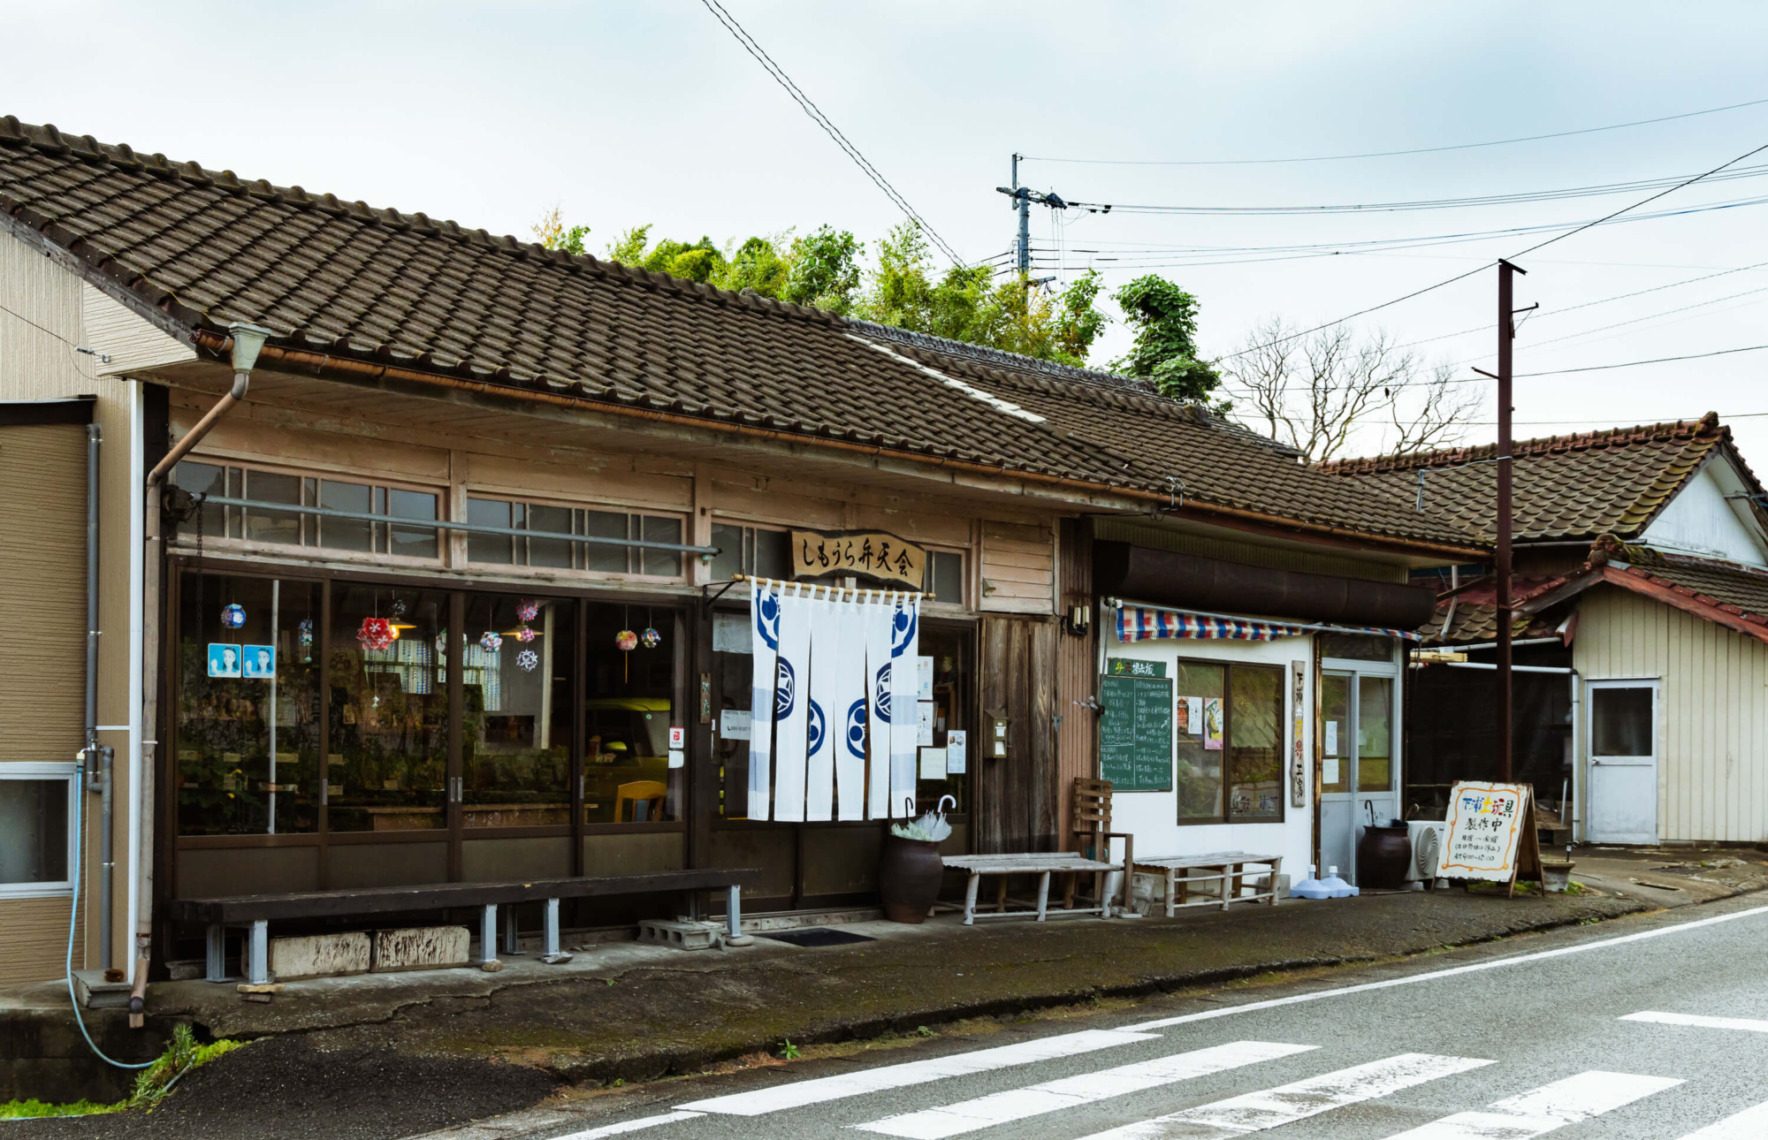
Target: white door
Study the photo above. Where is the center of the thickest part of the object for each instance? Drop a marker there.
(1623, 761)
(1358, 778)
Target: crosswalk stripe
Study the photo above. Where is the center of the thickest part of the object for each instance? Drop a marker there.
(1750, 1124)
(822, 1089)
(626, 1126)
(1286, 1104)
(1069, 1092)
(1544, 1109)
(1744, 1023)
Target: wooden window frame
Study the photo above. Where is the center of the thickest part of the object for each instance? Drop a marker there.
(1227, 814)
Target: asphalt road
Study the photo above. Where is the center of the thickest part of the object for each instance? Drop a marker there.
(1654, 1028)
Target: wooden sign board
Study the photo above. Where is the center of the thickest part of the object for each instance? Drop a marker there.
(868, 554)
(1490, 835)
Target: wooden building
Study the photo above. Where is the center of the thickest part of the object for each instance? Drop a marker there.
(448, 580)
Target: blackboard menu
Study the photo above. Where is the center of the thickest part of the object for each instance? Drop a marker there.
(1136, 733)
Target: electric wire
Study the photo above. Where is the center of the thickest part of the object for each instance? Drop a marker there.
(1391, 153)
(804, 102)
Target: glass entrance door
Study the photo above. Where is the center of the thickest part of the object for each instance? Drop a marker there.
(1358, 765)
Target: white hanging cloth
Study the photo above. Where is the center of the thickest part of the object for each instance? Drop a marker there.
(764, 631)
(792, 705)
(847, 709)
(824, 728)
(876, 615)
(905, 723)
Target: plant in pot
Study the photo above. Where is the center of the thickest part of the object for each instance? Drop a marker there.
(909, 867)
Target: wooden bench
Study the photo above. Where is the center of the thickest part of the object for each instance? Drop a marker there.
(1229, 869)
(1042, 865)
(254, 913)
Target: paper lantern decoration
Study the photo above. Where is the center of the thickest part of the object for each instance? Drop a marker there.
(626, 641)
(527, 660)
(491, 641)
(304, 633)
(527, 609)
(376, 633)
(233, 616)
(652, 638)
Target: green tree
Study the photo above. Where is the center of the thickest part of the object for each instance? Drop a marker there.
(552, 233)
(823, 270)
(1164, 318)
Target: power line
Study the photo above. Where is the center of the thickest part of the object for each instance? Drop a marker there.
(1393, 153)
(823, 121)
(1637, 363)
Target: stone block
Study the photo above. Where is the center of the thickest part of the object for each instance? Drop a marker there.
(681, 935)
(319, 956)
(420, 948)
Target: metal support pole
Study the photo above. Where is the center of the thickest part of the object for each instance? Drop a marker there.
(258, 953)
(1023, 202)
(488, 934)
(1506, 339)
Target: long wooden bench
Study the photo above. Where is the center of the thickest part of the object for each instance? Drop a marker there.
(1043, 866)
(254, 913)
(1229, 870)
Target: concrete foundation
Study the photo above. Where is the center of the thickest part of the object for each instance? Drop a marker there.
(320, 956)
(420, 948)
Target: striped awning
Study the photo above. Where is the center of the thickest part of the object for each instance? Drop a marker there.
(1151, 623)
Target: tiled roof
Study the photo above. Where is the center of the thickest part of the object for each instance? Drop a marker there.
(1738, 590)
(1473, 616)
(1565, 487)
(206, 248)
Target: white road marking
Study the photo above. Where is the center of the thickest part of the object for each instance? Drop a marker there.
(626, 1126)
(1699, 1022)
(821, 1089)
(1286, 1104)
(1451, 972)
(1750, 1124)
(1544, 1109)
(1070, 1092)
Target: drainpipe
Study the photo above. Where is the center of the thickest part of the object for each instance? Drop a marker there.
(97, 758)
(246, 340)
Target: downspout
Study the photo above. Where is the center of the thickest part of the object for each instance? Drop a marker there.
(97, 758)
(246, 340)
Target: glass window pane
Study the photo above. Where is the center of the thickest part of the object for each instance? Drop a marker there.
(729, 559)
(1620, 722)
(631, 697)
(33, 831)
(388, 765)
(1375, 734)
(488, 547)
(345, 534)
(1198, 691)
(661, 563)
(773, 554)
(945, 574)
(1357, 647)
(204, 479)
(1255, 743)
(600, 556)
(247, 706)
(516, 763)
(553, 552)
(273, 526)
(951, 709)
(1335, 730)
(412, 541)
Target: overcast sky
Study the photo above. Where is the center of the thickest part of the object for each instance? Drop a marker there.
(626, 113)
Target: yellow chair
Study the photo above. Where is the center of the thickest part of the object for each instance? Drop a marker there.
(648, 793)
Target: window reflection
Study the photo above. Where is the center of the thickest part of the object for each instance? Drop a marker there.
(516, 711)
(631, 701)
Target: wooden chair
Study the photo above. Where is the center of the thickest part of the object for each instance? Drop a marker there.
(647, 792)
(1093, 835)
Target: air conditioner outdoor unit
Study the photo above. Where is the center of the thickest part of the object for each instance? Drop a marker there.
(1427, 845)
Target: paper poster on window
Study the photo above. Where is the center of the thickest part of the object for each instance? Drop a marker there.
(933, 764)
(260, 662)
(1212, 724)
(923, 678)
(223, 660)
(678, 758)
(1332, 739)
(734, 724)
(1329, 770)
(924, 719)
(957, 741)
(1189, 715)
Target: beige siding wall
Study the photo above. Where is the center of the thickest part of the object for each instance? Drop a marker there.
(1713, 739)
(34, 940)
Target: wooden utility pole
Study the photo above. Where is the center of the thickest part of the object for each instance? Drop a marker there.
(1506, 337)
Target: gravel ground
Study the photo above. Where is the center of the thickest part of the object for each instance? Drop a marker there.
(285, 1089)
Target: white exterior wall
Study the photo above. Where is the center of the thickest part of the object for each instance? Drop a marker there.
(1702, 520)
(1712, 735)
(1152, 817)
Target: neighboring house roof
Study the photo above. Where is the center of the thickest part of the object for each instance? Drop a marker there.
(1469, 616)
(1576, 486)
(341, 283)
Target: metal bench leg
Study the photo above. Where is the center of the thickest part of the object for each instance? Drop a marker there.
(550, 952)
(970, 898)
(258, 954)
(1043, 895)
(1172, 891)
(733, 917)
(488, 934)
(512, 938)
(1276, 870)
(217, 954)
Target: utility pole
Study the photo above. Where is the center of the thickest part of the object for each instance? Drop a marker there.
(1506, 339)
(1023, 197)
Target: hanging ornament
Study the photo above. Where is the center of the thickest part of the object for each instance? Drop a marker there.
(525, 635)
(527, 609)
(626, 641)
(527, 660)
(651, 638)
(304, 632)
(491, 641)
(376, 633)
(233, 616)
(398, 608)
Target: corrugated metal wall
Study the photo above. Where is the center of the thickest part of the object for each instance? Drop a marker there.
(1713, 742)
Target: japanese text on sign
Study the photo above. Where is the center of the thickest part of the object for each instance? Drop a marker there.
(1480, 841)
(871, 554)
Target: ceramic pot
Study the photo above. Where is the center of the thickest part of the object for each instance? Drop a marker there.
(1383, 855)
(909, 874)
